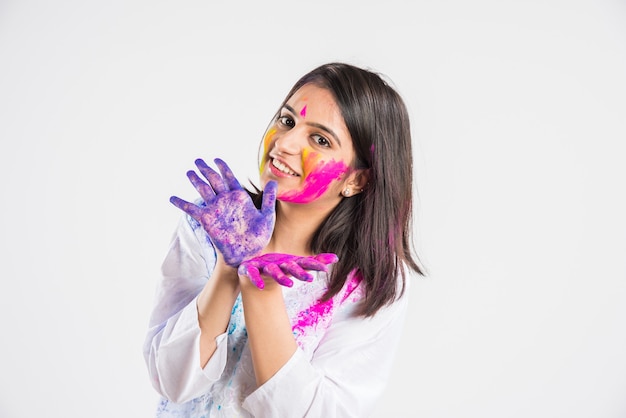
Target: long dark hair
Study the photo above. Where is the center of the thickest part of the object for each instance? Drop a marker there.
(370, 232)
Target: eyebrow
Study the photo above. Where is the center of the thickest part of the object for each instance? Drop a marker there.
(316, 125)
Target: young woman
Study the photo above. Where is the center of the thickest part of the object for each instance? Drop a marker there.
(290, 301)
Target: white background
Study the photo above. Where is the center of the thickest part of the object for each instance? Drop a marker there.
(519, 122)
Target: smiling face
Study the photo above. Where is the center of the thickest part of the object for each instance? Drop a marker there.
(308, 149)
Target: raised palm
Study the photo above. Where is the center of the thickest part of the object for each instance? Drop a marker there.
(236, 227)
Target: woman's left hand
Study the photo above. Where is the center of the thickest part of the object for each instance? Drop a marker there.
(237, 228)
(279, 266)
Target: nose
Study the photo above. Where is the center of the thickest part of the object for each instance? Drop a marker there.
(289, 142)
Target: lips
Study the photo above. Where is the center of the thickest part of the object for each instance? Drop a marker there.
(279, 166)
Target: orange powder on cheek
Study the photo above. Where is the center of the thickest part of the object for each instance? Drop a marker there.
(310, 160)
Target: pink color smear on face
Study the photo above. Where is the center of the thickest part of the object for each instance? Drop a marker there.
(319, 178)
(303, 112)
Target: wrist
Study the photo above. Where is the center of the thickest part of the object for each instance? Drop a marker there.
(225, 273)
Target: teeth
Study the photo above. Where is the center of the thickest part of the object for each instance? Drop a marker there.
(282, 167)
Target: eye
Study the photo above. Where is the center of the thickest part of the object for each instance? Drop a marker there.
(286, 121)
(321, 141)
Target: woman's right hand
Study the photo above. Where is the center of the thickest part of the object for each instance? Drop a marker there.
(236, 227)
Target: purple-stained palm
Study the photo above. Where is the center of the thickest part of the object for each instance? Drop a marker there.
(279, 266)
(237, 228)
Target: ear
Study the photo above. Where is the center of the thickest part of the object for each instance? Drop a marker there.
(356, 182)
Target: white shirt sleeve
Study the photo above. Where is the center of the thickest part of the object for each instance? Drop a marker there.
(171, 348)
(344, 377)
(347, 374)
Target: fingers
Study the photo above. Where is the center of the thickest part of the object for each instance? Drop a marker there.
(310, 263)
(277, 274)
(252, 273)
(327, 258)
(215, 180)
(229, 177)
(193, 210)
(269, 198)
(206, 192)
(278, 266)
(296, 271)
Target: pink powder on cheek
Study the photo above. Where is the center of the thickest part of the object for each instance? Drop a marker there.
(316, 183)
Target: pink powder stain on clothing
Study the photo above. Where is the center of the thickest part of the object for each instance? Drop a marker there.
(303, 112)
(354, 280)
(318, 317)
(319, 178)
(311, 317)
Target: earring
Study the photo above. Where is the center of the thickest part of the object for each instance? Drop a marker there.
(347, 192)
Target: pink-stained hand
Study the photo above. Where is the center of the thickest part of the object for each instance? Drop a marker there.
(237, 228)
(279, 266)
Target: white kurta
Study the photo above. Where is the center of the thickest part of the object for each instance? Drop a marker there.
(339, 369)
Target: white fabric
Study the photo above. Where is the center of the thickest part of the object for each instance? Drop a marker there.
(339, 370)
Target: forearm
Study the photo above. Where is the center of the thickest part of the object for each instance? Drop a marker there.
(270, 337)
(214, 305)
(344, 375)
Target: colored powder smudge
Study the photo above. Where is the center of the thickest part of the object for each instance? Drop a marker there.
(303, 112)
(312, 316)
(354, 280)
(236, 229)
(309, 160)
(319, 316)
(266, 146)
(318, 180)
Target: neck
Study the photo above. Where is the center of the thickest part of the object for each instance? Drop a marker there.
(294, 228)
